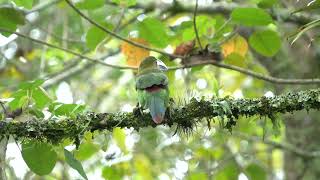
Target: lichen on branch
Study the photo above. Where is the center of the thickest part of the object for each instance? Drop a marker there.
(186, 116)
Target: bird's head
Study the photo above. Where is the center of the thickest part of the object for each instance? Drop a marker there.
(151, 64)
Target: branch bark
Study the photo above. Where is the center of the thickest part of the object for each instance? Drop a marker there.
(186, 117)
(3, 150)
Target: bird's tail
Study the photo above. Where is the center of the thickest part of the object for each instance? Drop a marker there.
(157, 109)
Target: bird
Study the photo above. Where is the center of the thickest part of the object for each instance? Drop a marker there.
(152, 88)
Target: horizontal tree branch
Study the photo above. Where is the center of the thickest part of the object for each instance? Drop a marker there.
(72, 70)
(186, 116)
(249, 73)
(99, 61)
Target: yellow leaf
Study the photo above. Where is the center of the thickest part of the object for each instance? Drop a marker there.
(134, 54)
(6, 94)
(237, 45)
(31, 55)
(13, 72)
(142, 165)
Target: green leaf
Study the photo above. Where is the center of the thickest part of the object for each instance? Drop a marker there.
(275, 125)
(36, 112)
(31, 84)
(15, 103)
(197, 176)
(39, 156)
(188, 34)
(120, 138)
(60, 109)
(126, 3)
(216, 87)
(23, 101)
(74, 163)
(86, 150)
(196, 69)
(40, 97)
(265, 42)
(24, 3)
(95, 35)
(267, 3)
(235, 59)
(251, 16)
(152, 30)
(228, 172)
(255, 171)
(184, 32)
(222, 27)
(311, 6)
(112, 173)
(205, 25)
(10, 18)
(90, 4)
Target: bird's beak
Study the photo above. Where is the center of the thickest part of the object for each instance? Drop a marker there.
(162, 66)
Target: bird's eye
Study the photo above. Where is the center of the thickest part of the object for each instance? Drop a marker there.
(162, 66)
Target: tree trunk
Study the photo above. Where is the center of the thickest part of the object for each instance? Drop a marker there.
(3, 149)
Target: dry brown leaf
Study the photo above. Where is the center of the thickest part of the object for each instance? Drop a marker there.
(135, 54)
(184, 48)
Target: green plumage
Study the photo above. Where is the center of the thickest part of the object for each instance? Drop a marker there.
(147, 80)
(152, 87)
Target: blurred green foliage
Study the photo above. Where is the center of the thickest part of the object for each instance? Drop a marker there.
(151, 153)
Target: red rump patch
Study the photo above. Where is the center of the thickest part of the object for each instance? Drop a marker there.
(154, 88)
(158, 119)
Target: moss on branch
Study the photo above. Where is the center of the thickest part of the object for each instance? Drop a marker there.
(185, 117)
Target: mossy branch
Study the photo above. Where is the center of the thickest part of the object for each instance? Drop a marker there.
(185, 117)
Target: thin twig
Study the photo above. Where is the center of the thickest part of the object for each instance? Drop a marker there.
(117, 27)
(100, 61)
(4, 108)
(117, 35)
(223, 26)
(70, 71)
(250, 73)
(195, 24)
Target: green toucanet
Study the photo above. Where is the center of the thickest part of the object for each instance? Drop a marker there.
(152, 87)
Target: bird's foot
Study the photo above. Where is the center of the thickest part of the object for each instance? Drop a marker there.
(137, 111)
